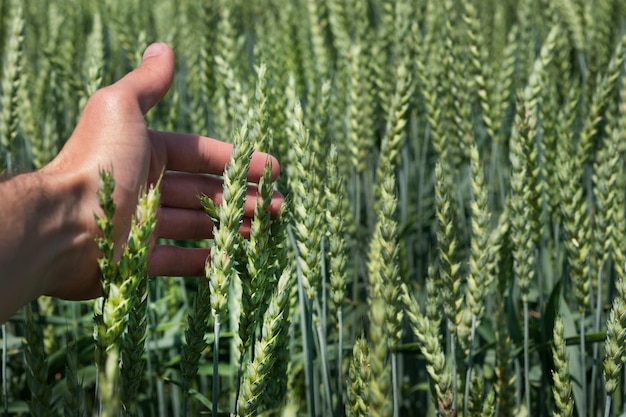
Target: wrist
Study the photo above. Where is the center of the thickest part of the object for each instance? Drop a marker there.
(48, 235)
(72, 259)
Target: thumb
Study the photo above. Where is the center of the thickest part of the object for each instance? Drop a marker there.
(153, 78)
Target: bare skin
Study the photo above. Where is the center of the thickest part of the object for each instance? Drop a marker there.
(47, 217)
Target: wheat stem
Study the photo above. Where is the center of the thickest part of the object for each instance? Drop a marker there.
(216, 359)
(5, 377)
(305, 328)
(322, 347)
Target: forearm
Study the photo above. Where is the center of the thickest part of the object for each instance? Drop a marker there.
(42, 236)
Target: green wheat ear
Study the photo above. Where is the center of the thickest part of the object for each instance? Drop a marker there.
(479, 279)
(527, 186)
(133, 341)
(427, 333)
(222, 270)
(258, 279)
(35, 356)
(562, 388)
(505, 384)
(195, 342)
(120, 316)
(358, 401)
(11, 76)
(615, 354)
(226, 238)
(600, 103)
(73, 402)
(448, 279)
(268, 351)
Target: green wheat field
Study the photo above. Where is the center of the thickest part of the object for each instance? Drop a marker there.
(453, 241)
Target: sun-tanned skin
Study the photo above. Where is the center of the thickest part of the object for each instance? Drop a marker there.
(47, 225)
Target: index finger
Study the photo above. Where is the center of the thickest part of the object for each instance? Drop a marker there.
(203, 155)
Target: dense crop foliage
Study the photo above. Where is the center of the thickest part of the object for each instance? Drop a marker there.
(454, 236)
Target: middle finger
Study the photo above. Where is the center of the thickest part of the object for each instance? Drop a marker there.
(181, 190)
(189, 224)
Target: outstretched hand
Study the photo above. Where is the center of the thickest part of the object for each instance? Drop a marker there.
(112, 135)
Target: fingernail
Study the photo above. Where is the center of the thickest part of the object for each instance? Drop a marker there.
(154, 50)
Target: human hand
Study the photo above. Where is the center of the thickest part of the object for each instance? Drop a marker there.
(112, 135)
